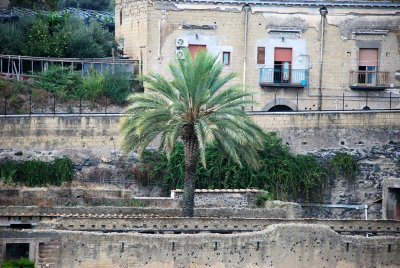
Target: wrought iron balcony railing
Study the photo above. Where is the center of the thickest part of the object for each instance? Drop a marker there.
(282, 77)
(369, 79)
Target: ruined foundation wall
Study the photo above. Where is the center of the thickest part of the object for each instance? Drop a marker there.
(283, 245)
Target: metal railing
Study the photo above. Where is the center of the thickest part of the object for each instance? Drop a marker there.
(22, 67)
(344, 102)
(282, 76)
(369, 78)
(30, 104)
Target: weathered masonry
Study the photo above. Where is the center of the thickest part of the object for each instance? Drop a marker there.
(292, 55)
(281, 245)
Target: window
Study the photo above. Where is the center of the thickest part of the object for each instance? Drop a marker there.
(282, 65)
(367, 65)
(17, 250)
(194, 49)
(120, 17)
(260, 55)
(226, 58)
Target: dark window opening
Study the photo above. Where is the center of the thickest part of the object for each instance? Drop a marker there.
(367, 65)
(21, 226)
(280, 108)
(17, 250)
(282, 72)
(120, 17)
(282, 65)
(393, 204)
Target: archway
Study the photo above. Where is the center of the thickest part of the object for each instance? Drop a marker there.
(279, 105)
(280, 108)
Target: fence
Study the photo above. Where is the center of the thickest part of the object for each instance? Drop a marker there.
(334, 103)
(23, 67)
(29, 104)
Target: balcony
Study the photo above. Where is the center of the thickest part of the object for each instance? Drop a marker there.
(370, 80)
(293, 78)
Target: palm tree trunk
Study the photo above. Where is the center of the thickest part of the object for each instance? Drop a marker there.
(191, 150)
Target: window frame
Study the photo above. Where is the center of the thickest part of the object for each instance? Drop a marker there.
(229, 58)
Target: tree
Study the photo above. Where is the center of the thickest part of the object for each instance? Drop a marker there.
(192, 107)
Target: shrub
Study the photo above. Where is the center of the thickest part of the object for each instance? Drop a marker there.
(26, 263)
(88, 40)
(283, 175)
(261, 197)
(344, 165)
(117, 86)
(38, 173)
(11, 38)
(92, 86)
(88, 4)
(61, 81)
(45, 37)
(54, 34)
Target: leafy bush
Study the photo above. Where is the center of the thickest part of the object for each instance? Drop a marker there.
(88, 4)
(92, 86)
(117, 86)
(12, 38)
(285, 176)
(344, 165)
(88, 40)
(53, 34)
(62, 81)
(26, 263)
(38, 173)
(261, 197)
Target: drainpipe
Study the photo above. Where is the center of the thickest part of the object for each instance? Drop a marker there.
(159, 40)
(246, 19)
(323, 11)
(160, 21)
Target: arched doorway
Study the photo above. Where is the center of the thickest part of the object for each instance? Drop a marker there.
(280, 108)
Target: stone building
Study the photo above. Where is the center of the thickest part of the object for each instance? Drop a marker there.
(292, 55)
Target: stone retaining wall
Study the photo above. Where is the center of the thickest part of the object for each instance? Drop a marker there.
(44, 132)
(281, 245)
(167, 212)
(220, 197)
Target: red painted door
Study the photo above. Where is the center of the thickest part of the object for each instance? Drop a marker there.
(194, 49)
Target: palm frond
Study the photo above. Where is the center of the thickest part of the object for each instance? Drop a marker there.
(193, 97)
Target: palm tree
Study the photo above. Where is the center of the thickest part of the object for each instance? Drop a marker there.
(192, 107)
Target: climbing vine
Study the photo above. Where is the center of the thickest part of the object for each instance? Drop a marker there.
(284, 175)
(344, 165)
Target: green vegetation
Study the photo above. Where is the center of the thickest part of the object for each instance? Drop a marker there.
(344, 165)
(60, 81)
(194, 108)
(37, 173)
(103, 5)
(88, 4)
(55, 35)
(26, 263)
(68, 84)
(283, 175)
(262, 197)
